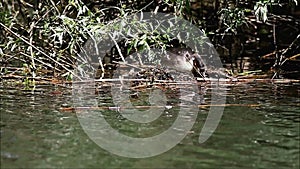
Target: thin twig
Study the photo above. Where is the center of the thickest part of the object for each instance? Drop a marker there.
(118, 48)
(39, 50)
(46, 64)
(131, 65)
(283, 53)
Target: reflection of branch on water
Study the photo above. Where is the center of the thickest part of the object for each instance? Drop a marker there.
(116, 108)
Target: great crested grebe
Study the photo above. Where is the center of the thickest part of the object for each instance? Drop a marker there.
(184, 60)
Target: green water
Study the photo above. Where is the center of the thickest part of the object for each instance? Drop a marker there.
(35, 133)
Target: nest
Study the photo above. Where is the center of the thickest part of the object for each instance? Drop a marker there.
(151, 75)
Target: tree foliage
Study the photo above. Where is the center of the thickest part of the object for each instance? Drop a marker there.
(45, 37)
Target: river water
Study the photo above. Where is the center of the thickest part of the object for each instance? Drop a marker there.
(37, 133)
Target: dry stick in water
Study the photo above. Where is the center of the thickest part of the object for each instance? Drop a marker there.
(221, 81)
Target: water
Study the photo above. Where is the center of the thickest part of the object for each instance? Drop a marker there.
(36, 133)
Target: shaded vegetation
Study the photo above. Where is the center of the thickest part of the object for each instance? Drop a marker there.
(41, 39)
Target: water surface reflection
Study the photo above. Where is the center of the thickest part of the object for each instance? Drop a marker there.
(35, 133)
